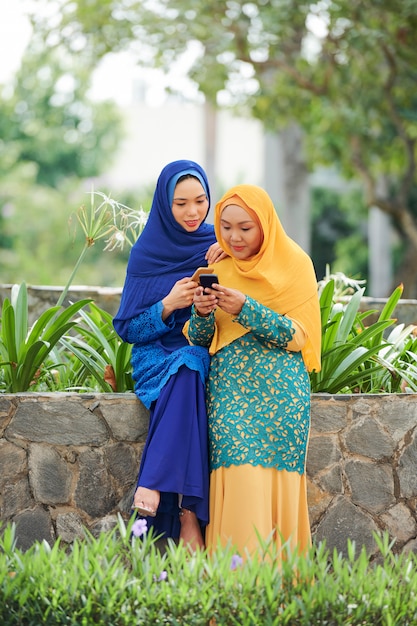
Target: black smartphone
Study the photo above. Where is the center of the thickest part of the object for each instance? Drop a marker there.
(206, 280)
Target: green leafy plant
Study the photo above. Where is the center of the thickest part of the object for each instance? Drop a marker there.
(126, 576)
(363, 359)
(24, 350)
(33, 357)
(103, 355)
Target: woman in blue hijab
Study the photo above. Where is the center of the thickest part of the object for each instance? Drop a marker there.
(169, 374)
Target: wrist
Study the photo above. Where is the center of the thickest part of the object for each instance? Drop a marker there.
(167, 308)
(197, 312)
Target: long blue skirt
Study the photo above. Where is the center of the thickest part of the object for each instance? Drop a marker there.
(175, 456)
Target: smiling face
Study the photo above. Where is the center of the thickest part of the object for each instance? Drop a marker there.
(190, 204)
(241, 233)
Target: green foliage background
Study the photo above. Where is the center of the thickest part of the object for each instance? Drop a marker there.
(54, 141)
(344, 71)
(339, 232)
(351, 90)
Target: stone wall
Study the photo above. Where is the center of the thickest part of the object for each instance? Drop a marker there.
(70, 461)
(361, 469)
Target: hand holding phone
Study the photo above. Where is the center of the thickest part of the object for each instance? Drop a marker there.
(204, 301)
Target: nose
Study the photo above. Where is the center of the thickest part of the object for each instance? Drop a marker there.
(235, 236)
(192, 211)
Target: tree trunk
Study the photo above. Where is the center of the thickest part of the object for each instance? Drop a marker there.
(380, 253)
(407, 273)
(287, 182)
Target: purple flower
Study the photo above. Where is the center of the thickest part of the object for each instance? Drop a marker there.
(163, 575)
(236, 561)
(140, 527)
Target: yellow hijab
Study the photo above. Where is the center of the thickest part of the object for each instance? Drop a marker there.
(281, 275)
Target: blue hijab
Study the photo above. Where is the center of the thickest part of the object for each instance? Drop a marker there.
(165, 252)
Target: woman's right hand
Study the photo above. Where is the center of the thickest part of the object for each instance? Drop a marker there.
(180, 296)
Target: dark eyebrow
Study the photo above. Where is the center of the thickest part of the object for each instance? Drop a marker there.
(202, 195)
(243, 222)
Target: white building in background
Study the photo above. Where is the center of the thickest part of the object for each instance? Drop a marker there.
(232, 150)
(156, 135)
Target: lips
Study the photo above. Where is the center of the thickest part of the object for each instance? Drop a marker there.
(192, 224)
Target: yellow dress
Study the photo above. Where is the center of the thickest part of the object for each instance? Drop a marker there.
(248, 501)
(258, 401)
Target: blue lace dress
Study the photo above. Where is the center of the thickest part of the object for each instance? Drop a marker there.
(258, 403)
(170, 380)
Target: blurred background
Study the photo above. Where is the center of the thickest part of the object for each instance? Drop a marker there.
(316, 102)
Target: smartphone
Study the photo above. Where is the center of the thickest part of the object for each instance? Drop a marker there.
(206, 280)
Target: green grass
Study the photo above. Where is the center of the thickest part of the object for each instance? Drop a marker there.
(117, 579)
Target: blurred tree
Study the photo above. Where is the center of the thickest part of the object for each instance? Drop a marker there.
(52, 138)
(345, 70)
(336, 238)
(47, 119)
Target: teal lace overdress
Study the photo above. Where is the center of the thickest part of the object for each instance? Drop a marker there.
(258, 393)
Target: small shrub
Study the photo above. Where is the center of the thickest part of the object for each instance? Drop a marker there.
(118, 579)
(357, 358)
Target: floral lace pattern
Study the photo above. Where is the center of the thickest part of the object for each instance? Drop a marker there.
(258, 393)
(152, 362)
(149, 325)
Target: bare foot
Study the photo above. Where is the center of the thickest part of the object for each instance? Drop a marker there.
(146, 501)
(190, 532)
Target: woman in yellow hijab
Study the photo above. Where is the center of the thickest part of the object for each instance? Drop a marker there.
(261, 322)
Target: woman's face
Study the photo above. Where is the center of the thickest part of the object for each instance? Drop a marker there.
(242, 234)
(190, 204)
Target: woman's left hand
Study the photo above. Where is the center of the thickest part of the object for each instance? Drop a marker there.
(215, 253)
(229, 300)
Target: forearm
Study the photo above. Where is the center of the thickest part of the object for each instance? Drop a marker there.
(201, 329)
(148, 326)
(271, 327)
